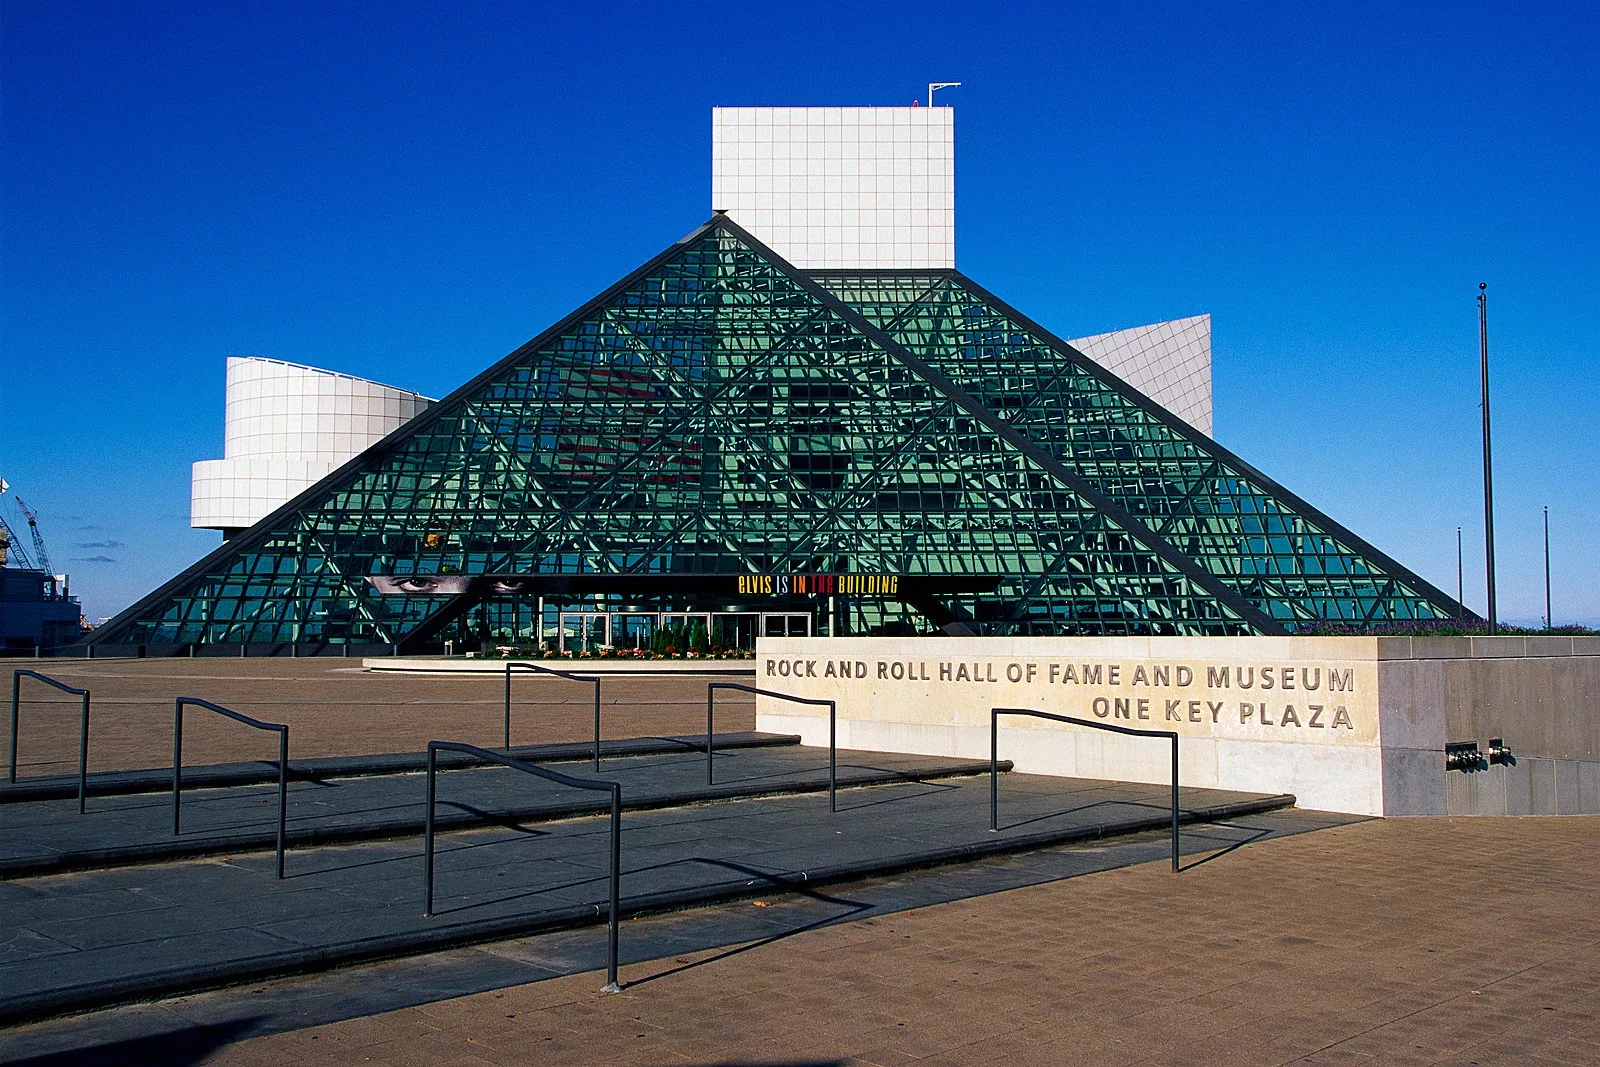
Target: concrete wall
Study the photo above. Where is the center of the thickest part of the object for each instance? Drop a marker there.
(1360, 726)
(1540, 694)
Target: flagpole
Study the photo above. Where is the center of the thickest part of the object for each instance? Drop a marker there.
(1488, 466)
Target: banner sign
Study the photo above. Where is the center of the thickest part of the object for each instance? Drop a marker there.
(734, 586)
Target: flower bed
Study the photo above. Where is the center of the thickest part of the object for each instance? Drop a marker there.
(670, 653)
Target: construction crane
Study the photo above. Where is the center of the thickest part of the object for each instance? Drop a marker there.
(12, 546)
(13, 543)
(39, 554)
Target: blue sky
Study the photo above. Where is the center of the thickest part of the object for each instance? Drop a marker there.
(408, 192)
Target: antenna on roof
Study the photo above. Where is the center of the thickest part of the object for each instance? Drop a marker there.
(939, 85)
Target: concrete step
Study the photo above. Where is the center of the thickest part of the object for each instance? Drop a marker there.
(159, 779)
(107, 937)
(51, 837)
(647, 943)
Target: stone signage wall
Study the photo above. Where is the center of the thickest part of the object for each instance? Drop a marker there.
(1339, 722)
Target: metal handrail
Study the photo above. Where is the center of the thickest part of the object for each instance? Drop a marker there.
(994, 758)
(833, 715)
(614, 788)
(177, 761)
(558, 674)
(83, 729)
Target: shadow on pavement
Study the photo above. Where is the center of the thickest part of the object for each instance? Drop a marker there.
(191, 1044)
(851, 908)
(1081, 808)
(929, 788)
(1255, 835)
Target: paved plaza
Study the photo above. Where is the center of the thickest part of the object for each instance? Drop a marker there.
(333, 708)
(1384, 942)
(1289, 936)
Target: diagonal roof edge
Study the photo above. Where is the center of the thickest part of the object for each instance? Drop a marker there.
(1212, 447)
(1134, 528)
(258, 532)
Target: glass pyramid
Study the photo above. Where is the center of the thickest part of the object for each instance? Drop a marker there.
(717, 412)
(1283, 556)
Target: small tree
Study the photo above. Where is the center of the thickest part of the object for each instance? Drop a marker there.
(699, 643)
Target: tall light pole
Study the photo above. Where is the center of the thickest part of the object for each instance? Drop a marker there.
(1461, 604)
(1488, 466)
(1549, 620)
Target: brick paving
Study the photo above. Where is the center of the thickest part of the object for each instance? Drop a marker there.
(1394, 942)
(333, 708)
(172, 927)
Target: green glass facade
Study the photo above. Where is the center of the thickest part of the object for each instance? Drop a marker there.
(1284, 557)
(718, 412)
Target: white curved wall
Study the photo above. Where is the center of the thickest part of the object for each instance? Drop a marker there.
(287, 426)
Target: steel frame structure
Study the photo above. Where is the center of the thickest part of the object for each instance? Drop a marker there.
(719, 411)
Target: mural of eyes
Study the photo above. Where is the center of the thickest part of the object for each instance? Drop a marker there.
(414, 585)
(509, 585)
(419, 584)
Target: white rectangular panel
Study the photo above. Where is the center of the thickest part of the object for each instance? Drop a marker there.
(840, 187)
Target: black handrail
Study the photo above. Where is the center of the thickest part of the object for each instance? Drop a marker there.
(283, 761)
(833, 714)
(614, 788)
(83, 729)
(558, 674)
(994, 759)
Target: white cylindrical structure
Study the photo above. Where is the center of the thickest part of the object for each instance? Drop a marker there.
(287, 426)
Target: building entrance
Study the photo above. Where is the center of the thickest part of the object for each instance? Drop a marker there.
(785, 624)
(634, 629)
(585, 631)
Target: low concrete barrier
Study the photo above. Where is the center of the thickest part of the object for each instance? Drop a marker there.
(440, 665)
(1351, 724)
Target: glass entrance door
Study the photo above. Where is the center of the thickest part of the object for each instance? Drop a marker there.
(785, 624)
(583, 631)
(634, 630)
(735, 629)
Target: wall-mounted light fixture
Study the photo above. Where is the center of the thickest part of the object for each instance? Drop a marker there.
(1462, 756)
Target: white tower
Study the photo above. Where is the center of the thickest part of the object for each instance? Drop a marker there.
(840, 187)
